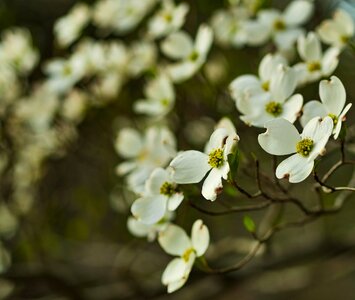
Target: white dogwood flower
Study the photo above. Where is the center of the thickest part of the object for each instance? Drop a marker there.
(276, 103)
(68, 28)
(160, 97)
(338, 31)
(168, 19)
(282, 138)
(284, 28)
(245, 86)
(333, 97)
(191, 166)
(175, 241)
(315, 63)
(191, 55)
(144, 153)
(161, 195)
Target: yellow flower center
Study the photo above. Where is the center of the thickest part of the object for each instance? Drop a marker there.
(168, 17)
(164, 102)
(344, 39)
(168, 189)
(274, 108)
(266, 86)
(279, 25)
(304, 147)
(314, 66)
(334, 118)
(215, 159)
(187, 254)
(193, 56)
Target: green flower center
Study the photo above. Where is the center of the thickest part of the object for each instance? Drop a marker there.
(266, 86)
(279, 25)
(187, 254)
(304, 147)
(168, 189)
(274, 108)
(215, 159)
(168, 17)
(344, 39)
(314, 66)
(164, 102)
(334, 118)
(193, 56)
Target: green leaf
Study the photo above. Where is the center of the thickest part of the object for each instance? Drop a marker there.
(249, 224)
(233, 161)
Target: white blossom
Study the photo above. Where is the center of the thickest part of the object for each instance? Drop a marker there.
(333, 97)
(282, 138)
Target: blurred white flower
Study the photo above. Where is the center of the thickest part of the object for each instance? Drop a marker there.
(284, 28)
(175, 241)
(68, 28)
(315, 63)
(191, 55)
(8, 221)
(338, 31)
(16, 49)
(143, 56)
(168, 19)
(63, 74)
(74, 106)
(192, 166)
(145, 153)
(333, 97)
(278, 102)
(121, 16)
(160, 97)
(282, 138)
(151, 231)
(245, 86)
(161, 194)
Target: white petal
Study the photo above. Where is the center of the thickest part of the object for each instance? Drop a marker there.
(330, 33)
(137, 228)
(200, 237)
(212, 185)
(345, 22)
(128, 142)
(156, 180)
(296, 168)
(280, 137)
(309, 47)
(174, 271)
(177, 45)
(174, 240)
(180, 72)
(283, 83)
(204, 39)
(217, 140)
(298, 12)
(292, 108)
(125, 167)
(189, 167)
(153, 108)
(311, 110)
(333, 95)
(340, 121)
(244, 83)
(286, 39)
(330, 61)
(269, 65)
(150, 209)
(174, 286)
(174, 201)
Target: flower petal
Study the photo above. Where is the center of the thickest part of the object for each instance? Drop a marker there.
(213, 184)
(174, 201)
(204, 38)
(200, 237)
(330, 61)
(341, 118)
(280, 137)
(311, 110)
(296, 168)
(292, 108)
(156, 180)
(217, 139)
(174, 240)
(333, 95)
(283, 83)
(174, 271)
(269, 65)
(309, 47)
(128, 143)
(189, 167)
(298, 12)
(149, 209)
(177, 45)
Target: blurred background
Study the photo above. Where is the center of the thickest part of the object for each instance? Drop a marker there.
(73, 243)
